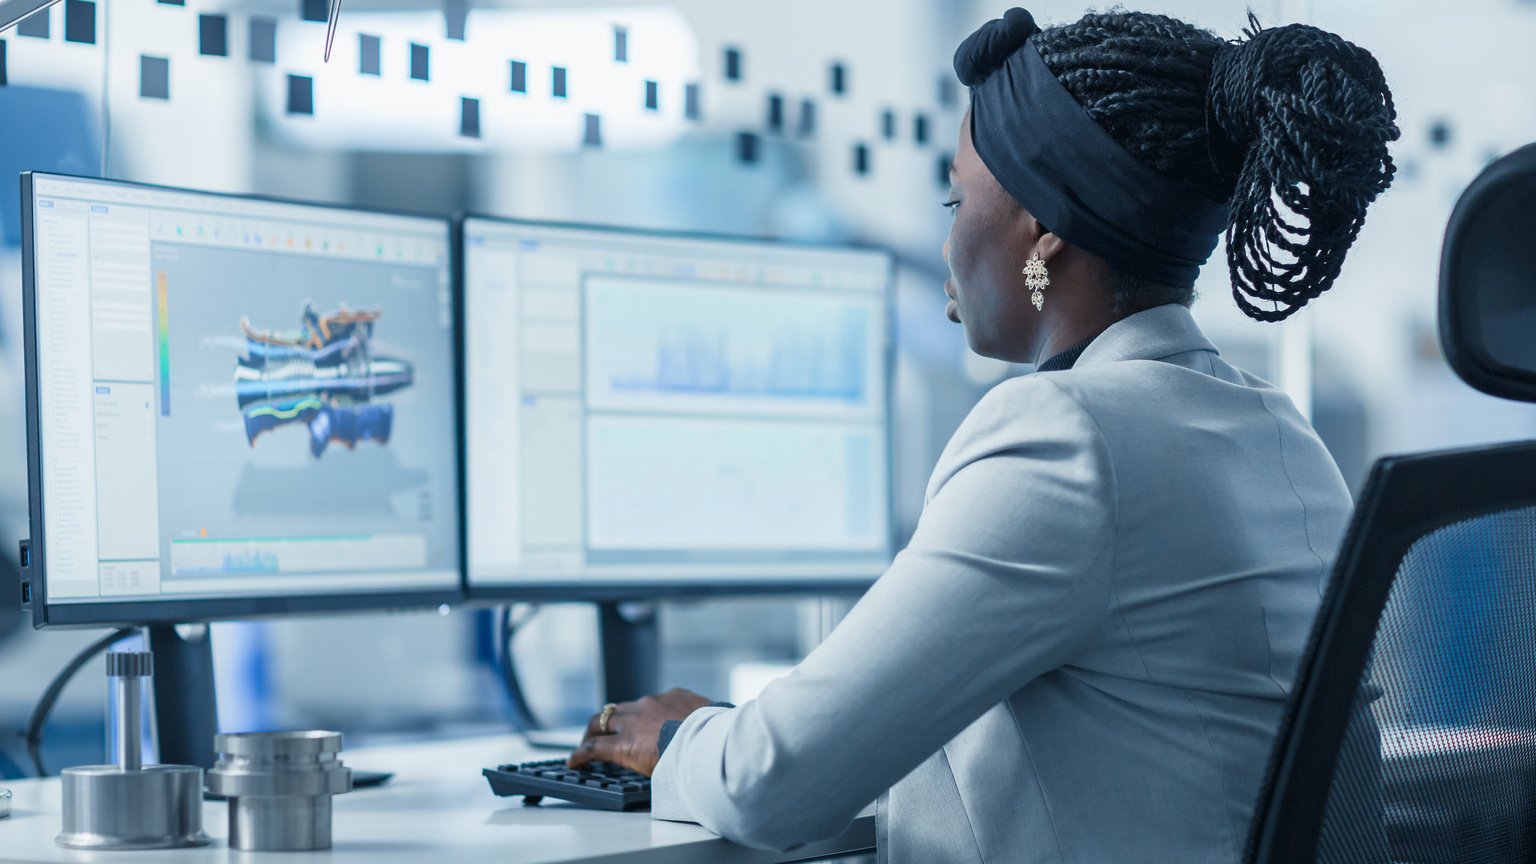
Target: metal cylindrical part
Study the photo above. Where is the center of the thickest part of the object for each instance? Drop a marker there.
(279, 786)
(130, 756)
(131, 805)
(127, 670)
(292, 824)
(158, 807)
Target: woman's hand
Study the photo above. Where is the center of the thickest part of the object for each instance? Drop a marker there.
(633, 729)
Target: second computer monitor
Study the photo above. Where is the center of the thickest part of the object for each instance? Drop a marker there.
(649, 413)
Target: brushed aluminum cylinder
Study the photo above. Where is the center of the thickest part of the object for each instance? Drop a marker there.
(156, 807)
(279, 786)
(289, 824)
(130, 730)
(127, 670)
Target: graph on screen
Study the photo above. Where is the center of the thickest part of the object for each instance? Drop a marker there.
(674, 411)
(670, 483)
(659, 346)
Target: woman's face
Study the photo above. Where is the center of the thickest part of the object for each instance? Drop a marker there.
(986, 250)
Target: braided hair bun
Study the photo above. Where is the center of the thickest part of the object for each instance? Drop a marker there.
(1309, 116)
(1291, 126)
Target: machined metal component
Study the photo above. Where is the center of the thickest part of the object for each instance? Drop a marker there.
(279, 786)
(131, 805)
(155, 807)
(128, 669)
(5, 803)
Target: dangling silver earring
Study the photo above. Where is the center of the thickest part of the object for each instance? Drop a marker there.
(1036, 280)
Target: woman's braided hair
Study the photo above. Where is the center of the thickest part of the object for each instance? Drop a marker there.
(1291, 126)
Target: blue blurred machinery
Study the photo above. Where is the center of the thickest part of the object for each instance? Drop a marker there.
(45, 130)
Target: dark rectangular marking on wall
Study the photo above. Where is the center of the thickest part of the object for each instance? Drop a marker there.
(263, 39)
(301, 94)
(519, 76)
(34, 26)
(369, 55)
(949, 92)
(80, 21)
(213, 35)
(557, 85)
(746, 147)
(807, 125)
(154, 77)
(469, 117)
(419, 61)
(455, 19)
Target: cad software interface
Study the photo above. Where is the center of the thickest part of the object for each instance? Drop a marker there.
(240, 397)
(644, 408)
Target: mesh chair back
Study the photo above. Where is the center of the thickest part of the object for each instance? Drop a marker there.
(1412, 734)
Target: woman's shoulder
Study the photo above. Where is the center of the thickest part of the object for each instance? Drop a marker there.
(1121, 398)
(1027, 411)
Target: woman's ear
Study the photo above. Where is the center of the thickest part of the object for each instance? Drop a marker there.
(1049, 246)
(1037, 238)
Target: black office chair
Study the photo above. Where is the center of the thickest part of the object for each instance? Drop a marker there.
(1411, 733)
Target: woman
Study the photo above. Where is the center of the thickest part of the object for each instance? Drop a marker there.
(1084, 651)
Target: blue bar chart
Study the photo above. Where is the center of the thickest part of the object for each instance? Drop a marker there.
(654, 346)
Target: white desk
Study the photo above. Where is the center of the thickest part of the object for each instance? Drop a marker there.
(436, 810)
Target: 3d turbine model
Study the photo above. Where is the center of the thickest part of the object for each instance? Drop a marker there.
(324, 375)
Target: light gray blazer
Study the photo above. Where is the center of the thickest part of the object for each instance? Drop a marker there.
(1083, 653)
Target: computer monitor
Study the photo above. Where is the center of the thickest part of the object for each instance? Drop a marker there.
(651, 414)
(235, 406)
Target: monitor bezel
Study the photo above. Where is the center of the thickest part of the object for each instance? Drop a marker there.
(132, 613)
(647, 588)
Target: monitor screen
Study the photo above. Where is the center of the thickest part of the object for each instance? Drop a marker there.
(236, 405)
(649, 412)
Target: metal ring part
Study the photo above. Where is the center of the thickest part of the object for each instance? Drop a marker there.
(279, 786)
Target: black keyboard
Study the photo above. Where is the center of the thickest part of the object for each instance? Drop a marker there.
(600, 785)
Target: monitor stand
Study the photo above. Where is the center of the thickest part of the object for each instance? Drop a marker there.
(631, 650)
(186, 709)
(186, 713)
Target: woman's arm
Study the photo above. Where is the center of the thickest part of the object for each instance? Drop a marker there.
(1005, 578)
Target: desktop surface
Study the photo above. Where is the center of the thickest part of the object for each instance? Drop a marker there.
(437, 808)
(646, 411)
(236, 406)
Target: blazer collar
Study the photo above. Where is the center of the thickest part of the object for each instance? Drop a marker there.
(1151, 334)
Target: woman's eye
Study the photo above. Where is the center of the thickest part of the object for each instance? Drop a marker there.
(951, 204)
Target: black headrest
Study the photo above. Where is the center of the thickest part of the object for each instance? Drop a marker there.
(1488, 280)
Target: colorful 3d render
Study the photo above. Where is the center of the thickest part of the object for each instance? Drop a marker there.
(324, 375)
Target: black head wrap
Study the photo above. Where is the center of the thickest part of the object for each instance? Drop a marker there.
(1067, 171)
